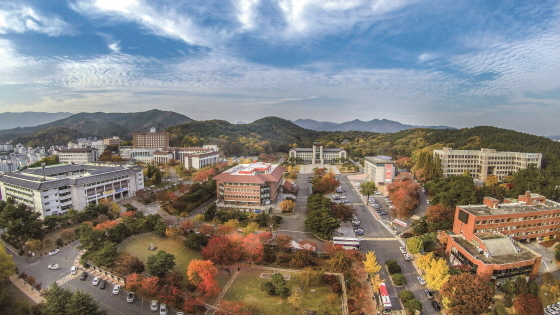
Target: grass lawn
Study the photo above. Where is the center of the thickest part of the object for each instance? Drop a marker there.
(247, 288)
(183, 256)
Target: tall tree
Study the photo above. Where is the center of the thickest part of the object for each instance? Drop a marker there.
(437, 274)
(528, 304)
(203, 274)
(160, 263)
(7, 265)
(372, 268)
(467, 294)
(83, 303)
(126, 264)
(368, 188)
(21, 223)
(440, 217)
(415, 244)
(106, 255)
(56, 300)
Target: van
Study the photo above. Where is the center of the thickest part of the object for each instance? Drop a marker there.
(73, 270)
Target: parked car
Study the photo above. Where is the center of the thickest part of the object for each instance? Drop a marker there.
(130, 297)
(53, 266)
(103, 284)
(359, 232)
(429, 294)
(73, 270)
(116, 289)
(162, 309)
(83, 276)
(406, 257)
(403, 250)
(96, 281)
(421, 280)
(436, 306)
(54, 252)
(154, 306)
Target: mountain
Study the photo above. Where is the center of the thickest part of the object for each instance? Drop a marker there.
(554, 137)
(375, 125)
(101, 125)
(29, 119)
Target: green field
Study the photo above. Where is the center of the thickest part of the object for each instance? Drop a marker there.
(246, 288)
(183, 256)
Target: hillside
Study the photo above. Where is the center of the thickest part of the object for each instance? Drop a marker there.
(101, 125)
(375, 125)
(29, 119)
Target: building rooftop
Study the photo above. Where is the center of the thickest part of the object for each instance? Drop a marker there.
(311, 149)
(380, 159)
(500, 249)
(512, 207)
(252, 173)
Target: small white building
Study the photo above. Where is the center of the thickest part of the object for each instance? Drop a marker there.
(379, 169)
(77, 156)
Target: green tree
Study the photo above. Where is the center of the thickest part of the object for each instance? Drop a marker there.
(106, 255)
(398, 279)
(56, 300)
(7, 265)
(368, 189)
(83, 303)
(195, 240)
(405, 296)
(20, 222)
(415, 245)
(413, 305)
(158, 265)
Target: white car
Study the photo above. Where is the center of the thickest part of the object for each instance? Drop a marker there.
(162, 309)
(96, 281)
(116, 289)
(406, 257)
(54, 266)
(73, 270)
(154, 305)
(421, 280)
(403, 250)
(54, 252)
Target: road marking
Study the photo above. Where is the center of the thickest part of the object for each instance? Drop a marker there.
(379, 239)
(66, 279)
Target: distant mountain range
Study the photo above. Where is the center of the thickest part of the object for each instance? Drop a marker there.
(101, 125)
(375, 125)
(10, 120)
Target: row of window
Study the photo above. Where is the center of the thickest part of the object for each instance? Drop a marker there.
(27, 193)
(106, 181)
(509, 228)
(519, 219)
(242, 196)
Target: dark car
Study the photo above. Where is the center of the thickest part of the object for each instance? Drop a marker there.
(83, 276)
(435, 304)
(103, 284)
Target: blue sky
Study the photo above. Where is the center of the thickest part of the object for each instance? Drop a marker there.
(456, 63)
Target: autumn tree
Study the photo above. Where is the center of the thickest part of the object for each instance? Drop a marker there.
(440, 217)
(372, 268)
(133, 281)
(415, 244)
(33, 244)
(528, 304)
(437, 274)
(467, 294)
(174, 231)
(342, 212)
(221, 250)
(284, 243)
(187, 225)
(287, 205)
(404, 192)
(425, 261)
(126, 264)
(203, 274)
(253, 248)
(7, 265)
(68, 234)
(251, 228)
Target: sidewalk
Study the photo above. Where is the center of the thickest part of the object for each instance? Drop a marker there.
(26, 288)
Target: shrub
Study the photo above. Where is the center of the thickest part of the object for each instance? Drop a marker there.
(336, 288)
(284, 292)
(508, 302)
(276, 219)
(398, 279)
(59, 242)
(393, 267)
(277, 279)
(268, 287)
(413, 305)
(405, 296)
(329, 279)
(391, 262)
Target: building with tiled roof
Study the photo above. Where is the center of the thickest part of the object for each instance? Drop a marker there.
(253, 184)
(58, 188)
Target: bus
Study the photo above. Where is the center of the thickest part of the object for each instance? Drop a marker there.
(384, 299)
(347, 241)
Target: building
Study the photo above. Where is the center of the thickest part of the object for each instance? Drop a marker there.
(56, 189)
(6, 147)
(318, 154)
(77, 156)
(150, 140)
(112, 141)
(253, 184)
(200, 160)
(379, 169)
(141, 155)
(481, 164)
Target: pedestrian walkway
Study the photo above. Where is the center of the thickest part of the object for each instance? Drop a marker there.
(26, 288)
(379, 239)
(221, 296)
(66, 279)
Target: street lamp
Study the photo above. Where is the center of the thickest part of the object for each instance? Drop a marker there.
(43, 166)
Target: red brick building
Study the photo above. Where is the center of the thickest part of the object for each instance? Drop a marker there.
(150, 140)
(485, 236)
(253, 184)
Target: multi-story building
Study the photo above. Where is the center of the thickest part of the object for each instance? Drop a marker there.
(253, 184)
(141, 155)
(77, 156)
(56, 189)
(112, 141)
(6, 147)
(379, 169)
(481, 164)
(150, 140)
(200, 160)
(318, 154)
(486, 235)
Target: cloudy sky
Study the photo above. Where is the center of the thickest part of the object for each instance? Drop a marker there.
(456, 63)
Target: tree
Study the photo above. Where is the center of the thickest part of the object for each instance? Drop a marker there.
(34, 244)
(521, 286)
(126, 264)
(251, 228)
(68, 234)
(284, 243)
(415, 245)
(440, 217)
(527, 304)
(159, 264)
(342, 212)
(221, 250)
(295, 299)
(253, 248)
(277, 279)
(187, 225)
(287, 205)
(437, 274)
(7, 265)
(405, 296)
(56, 300)
(413, 305)
(398, 279)
(467, 294)
(203, 274)
(340, 261)
(83, 303)
(368, 188)
(20, 222)
(51, 222)
(425, 261)
(232, 223)
(106, 255)
(195, 240)
(134, 281)
(174, 231)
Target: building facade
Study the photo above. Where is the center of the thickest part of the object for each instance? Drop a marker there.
(112, 141)
(318, 154)
(77, 156)
(200, 160)
(379, 169)
(253, 184)
(481, 164)
(58, 188)
(150, 140)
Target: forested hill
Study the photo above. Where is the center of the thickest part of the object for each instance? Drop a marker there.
(101, 125)
(273, 134)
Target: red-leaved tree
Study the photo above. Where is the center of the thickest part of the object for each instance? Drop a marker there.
(467, 294)
(222, 251)
(528, 304)
(203, 274)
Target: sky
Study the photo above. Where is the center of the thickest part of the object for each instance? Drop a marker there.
(460, 63)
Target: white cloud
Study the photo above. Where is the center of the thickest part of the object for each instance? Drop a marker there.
(20, 19)
(247, 12)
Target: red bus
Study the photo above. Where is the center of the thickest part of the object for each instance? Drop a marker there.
(385, 300)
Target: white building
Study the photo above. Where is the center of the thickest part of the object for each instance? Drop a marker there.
(318, 154)
(379, 169)
(59, 188)
(77, 156)
(484, 162)
(200, 160)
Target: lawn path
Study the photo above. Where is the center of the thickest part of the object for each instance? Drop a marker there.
(221, 296)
